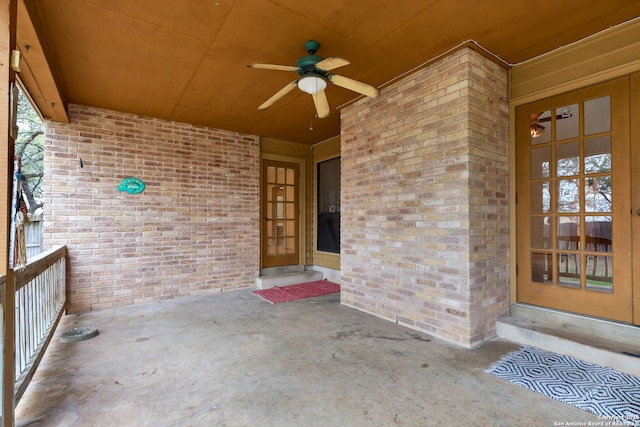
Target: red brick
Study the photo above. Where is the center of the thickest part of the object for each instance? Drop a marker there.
(129, 248)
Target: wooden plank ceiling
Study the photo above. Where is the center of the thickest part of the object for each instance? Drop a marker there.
(186, 60)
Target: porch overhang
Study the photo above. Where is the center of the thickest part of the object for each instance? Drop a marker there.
(37, 72)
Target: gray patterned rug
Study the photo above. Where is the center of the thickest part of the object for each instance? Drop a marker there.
(612, 395)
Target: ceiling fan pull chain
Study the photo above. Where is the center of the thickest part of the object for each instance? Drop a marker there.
(311, 122)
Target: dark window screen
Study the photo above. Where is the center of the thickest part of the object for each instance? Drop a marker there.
(329, 206)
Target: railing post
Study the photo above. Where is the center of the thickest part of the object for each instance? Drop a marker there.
(8, 19)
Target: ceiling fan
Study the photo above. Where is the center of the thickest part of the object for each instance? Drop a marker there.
(314, 75)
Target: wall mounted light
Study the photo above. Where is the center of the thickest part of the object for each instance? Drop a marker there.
(15, 60)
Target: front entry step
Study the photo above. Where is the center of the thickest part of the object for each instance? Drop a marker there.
(284, 279)
(598, 341)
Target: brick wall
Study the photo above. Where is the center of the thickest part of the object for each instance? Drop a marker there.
(424, 200)
(194, 229)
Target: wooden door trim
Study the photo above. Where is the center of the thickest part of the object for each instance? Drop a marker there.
(302, 197)
(634, 109)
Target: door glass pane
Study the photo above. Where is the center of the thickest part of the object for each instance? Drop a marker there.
(597, 115)
(600, 273)
(271, 247)
(271, 174)
(291, 193)
(271, 192)
(599, 268)
(291, 211)
(280, 176)
(270, 210)
(541, 267)
(279, 206)
(540, 161)
(541, 127)
(541, 197)
(540, 232)
(597, 230)
(568, 159)
(291, 245)
(568, 196)
(568, 233)
(567, 122)
(291, 228)
(597, 155)
(290, 176)
(569, 270)
(598, 194)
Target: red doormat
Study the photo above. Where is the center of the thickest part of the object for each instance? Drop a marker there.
(279, 294)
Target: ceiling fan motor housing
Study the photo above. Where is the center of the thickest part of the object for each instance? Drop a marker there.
(307, 64)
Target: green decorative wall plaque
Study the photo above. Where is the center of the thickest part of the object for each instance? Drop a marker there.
(131, 185)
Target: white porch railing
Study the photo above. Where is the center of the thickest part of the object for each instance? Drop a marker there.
(40, 301)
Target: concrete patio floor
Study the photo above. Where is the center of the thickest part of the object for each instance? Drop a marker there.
(232, 359)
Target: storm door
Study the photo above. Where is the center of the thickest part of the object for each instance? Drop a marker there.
(574, 209)
(280, 230)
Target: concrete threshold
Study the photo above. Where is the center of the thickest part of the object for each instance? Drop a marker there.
(287, 278)
(606, 343)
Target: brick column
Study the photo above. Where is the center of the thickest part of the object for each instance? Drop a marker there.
(424, 200)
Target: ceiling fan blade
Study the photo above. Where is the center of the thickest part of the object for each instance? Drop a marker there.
(273, 67)
(354, 85)
(282, 92)
(322, 105)
(332, 63)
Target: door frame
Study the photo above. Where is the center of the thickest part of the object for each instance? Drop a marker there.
(634, 136)
(620, 86)
(324, 259)
(301, 197)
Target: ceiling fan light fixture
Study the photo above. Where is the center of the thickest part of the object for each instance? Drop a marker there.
(312, 84)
